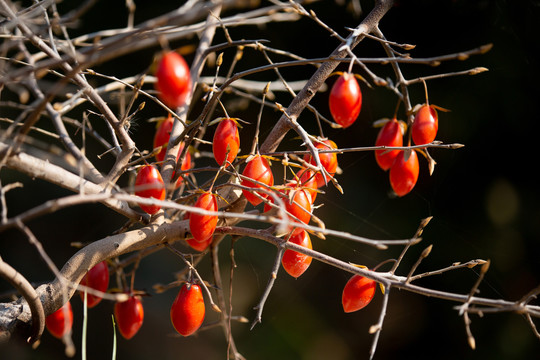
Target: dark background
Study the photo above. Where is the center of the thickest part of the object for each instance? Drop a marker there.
(483, 198)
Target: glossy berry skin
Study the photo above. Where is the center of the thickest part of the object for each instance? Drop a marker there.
(161, 139)
(404, 174)
(96, 278)
(345, 100)
(186, 163)
(129, 316)
(294, 262)
(173, 79)
(357, 293)
(299, 207)
(194, 244)
(390, 134)
(149, 184)
(162, 136)
(328, 161)
(202, 226)
(257, 169)
(307, 179)
(60, 322)
(226, 141)
(187, 311)
(200, 246)
(425, 125)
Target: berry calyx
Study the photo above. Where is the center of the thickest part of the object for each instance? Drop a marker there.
(404, 172)
(173, 79)
(202, 226)
(226, 141)
(425, 125)
(60, 322)
(357, 293)
(391, 134)
(129, 316)
(345, 100)
(259, 170)
(149, 184)
(294, 262)
(188, 310)
(96, 278)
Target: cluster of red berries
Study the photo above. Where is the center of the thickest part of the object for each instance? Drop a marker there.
(403, 164)
(298, 196)
(345, 102)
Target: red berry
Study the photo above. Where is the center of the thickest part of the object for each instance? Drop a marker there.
(162, 136)
(186, 164)
(200, 246)
(173, 79)
(390, 135)
(226, 141)
(202, 226)
(149, 184)
(96, 278)
(357, 293)
(425, 125)
(328, 161)
(294, 262)
(60, 322)
(345, 100)
(257, 169)
(187, 311)
(307, 179)
(404, 174)
(299, 206)
(161, 139)
(129, 316)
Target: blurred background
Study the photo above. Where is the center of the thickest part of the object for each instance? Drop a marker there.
(483, 199)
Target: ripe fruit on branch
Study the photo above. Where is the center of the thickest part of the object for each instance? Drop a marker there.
(297, 204)
(328, 161)
(425, 125)
(200, 246)
(60, 322)
(226, 141)
(187, 310)
(391, 134)
(404, 172)
(161, 139)
(294, 262)
(357, 293)
(96, 278)
(194, 244)
(202, 226)
(129, 316)
(149, 184)
(173, 79)
(259, 170)
(307, 179)
(345, 100)
(186, 163)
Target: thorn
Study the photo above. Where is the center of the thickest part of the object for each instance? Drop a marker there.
(472, 342)
(478, 70)
(374, 328)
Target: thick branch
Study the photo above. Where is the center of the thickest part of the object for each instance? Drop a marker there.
(318, 79)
